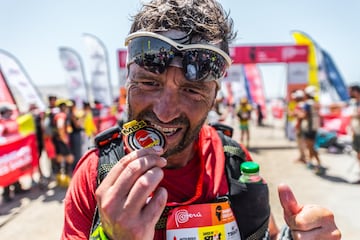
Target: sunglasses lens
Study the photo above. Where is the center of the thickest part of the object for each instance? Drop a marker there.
(203, 64)
(151, 54)
(155, 55)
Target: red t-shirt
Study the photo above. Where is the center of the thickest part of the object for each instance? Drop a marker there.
(180, 183)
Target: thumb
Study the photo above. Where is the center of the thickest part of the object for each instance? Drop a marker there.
(288, 201)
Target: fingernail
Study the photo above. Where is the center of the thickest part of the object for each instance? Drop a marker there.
(158, 149)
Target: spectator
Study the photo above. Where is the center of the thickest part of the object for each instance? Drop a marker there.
(244, 114)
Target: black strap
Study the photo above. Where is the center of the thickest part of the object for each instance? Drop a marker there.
(249, 202)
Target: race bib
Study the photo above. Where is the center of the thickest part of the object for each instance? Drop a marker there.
(211, 221)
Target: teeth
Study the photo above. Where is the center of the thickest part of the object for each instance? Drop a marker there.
(166, 130)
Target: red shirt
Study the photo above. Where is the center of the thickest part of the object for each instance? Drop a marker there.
(80, 198)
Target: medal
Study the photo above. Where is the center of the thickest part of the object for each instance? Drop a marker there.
(138, 135)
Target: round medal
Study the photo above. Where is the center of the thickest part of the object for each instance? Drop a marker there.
(138, 135)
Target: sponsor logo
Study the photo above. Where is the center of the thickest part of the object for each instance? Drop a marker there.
(183, 216)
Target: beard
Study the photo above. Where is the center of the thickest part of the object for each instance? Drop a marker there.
(190, 135)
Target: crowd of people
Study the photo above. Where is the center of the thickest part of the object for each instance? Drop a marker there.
(64, 132)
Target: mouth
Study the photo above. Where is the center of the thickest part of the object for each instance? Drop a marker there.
(167, 131)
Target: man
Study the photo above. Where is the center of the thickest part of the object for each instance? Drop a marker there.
(244, 115)
(61, 141)
(354, 92)
(310, 123)
(294, 111)
(133, 195)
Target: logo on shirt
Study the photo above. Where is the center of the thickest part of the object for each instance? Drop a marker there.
(183, 216)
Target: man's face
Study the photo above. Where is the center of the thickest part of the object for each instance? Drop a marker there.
(169, 103)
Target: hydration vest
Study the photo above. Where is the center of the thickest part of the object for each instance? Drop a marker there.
(249, 202)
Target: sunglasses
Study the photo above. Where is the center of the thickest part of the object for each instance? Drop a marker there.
(155, 52)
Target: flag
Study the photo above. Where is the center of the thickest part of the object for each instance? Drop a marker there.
(19, 83)
(318, 75)
(99, 69)
(5, 93)
(335, 77)
(255, 86)
(75, 78)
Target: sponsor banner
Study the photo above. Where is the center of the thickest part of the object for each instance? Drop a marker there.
(20, 84)
(255, 86)
(75, 78)
(18, 157)
(99, 70)
(104, 122)
(122, 56)
(269, 54)
(297, 77)
(338, 123)
(235, 77)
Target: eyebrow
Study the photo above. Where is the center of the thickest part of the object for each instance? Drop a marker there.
(141, 73)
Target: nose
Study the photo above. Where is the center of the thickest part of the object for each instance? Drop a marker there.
(167, 105)
(170, 100)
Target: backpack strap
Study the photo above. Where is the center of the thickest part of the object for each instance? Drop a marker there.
(111, 150)
(249, 202)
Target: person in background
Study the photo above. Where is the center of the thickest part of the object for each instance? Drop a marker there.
(260, 115)
(38, 117)
(8, 128)
(76, 121)
(354, 92)
(143, 188)
(49, 132)
(61, 141)
(296, 112)
(244, 114)
(89, 125)
(310, 123)
(290, 116)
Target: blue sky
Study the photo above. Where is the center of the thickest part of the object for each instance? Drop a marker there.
(33, 31)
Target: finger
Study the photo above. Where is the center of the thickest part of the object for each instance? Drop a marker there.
(117, 170)
(143, 187)
(288, 200)
(313, 217)
(320, 233)
(152, 211)
(289, 203)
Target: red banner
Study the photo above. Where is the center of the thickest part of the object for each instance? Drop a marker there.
(122, 53)
(269, 54)
(105, 122)
(18, 157)
(256, 88)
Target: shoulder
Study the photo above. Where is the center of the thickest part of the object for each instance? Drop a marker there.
(86, 170)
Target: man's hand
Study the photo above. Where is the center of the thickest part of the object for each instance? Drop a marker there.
(126, 211)
(308, 222)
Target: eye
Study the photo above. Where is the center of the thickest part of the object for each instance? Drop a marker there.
(194, 93)
(149, 83)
